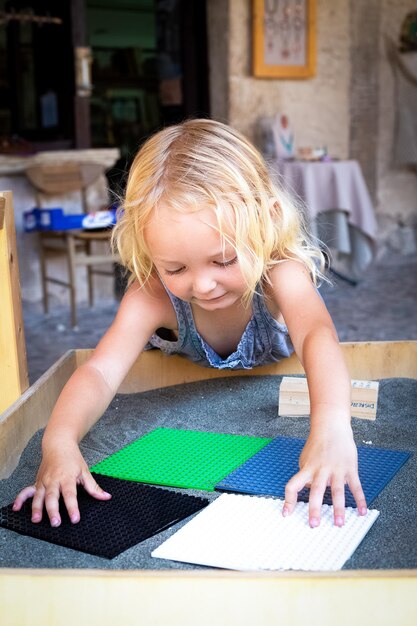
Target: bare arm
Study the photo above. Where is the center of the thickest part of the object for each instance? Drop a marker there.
(94, 384)
(83, 400)
(329, 457)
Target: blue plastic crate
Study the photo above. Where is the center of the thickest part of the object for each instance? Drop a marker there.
(56, 219)
(30, 220)
(50, 219)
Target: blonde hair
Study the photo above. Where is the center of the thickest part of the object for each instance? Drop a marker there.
(202, 163)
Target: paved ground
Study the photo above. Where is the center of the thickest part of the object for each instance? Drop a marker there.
(383, 306)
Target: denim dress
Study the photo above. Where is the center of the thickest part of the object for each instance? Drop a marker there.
(264, 340)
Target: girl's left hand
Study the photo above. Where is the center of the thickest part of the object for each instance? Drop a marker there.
(329, 459)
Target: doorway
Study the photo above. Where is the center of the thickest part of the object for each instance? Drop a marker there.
(36, 75)
(150, 69)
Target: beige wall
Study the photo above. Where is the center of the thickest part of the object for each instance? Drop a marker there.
(320, 108)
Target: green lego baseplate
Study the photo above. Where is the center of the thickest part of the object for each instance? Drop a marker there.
(189, 459)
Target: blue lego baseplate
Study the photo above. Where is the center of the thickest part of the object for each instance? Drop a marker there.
(269, 470)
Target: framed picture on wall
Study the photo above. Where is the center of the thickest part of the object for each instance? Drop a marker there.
(284, 38)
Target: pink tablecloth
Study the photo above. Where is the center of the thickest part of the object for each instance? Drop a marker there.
(325, 186)
(338, 207)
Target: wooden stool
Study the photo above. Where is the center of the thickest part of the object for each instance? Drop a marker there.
(76, 245)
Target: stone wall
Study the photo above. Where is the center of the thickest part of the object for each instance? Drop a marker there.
(397, 186)
(218, 43)
(364, 87)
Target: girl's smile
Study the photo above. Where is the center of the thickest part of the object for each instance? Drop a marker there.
(192, 260)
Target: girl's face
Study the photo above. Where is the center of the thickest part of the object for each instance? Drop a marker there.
(188, 254)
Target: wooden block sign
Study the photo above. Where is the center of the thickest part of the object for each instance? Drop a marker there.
(294, 399)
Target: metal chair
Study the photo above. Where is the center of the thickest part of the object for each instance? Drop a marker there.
(77, 245)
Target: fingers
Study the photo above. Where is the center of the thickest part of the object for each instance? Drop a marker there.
(94, 488)
(51, 504)
(68, 488)
(48, 497)
(338, 498)
(298, 482)
(357, 492)
(70, 495)
(38, 495)
(293, 486)
(25, 494)
(318, 487)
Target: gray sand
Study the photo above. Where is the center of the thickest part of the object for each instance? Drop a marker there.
(241, 406)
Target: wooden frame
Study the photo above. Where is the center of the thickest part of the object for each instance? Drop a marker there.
(284, 38)
(209, 597)
(13, 364)
(154, 370)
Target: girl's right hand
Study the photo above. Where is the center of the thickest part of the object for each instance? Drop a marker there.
(61, 470)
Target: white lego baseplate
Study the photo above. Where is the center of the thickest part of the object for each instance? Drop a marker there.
(249, 533)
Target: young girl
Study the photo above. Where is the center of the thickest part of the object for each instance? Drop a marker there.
(221, 272)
